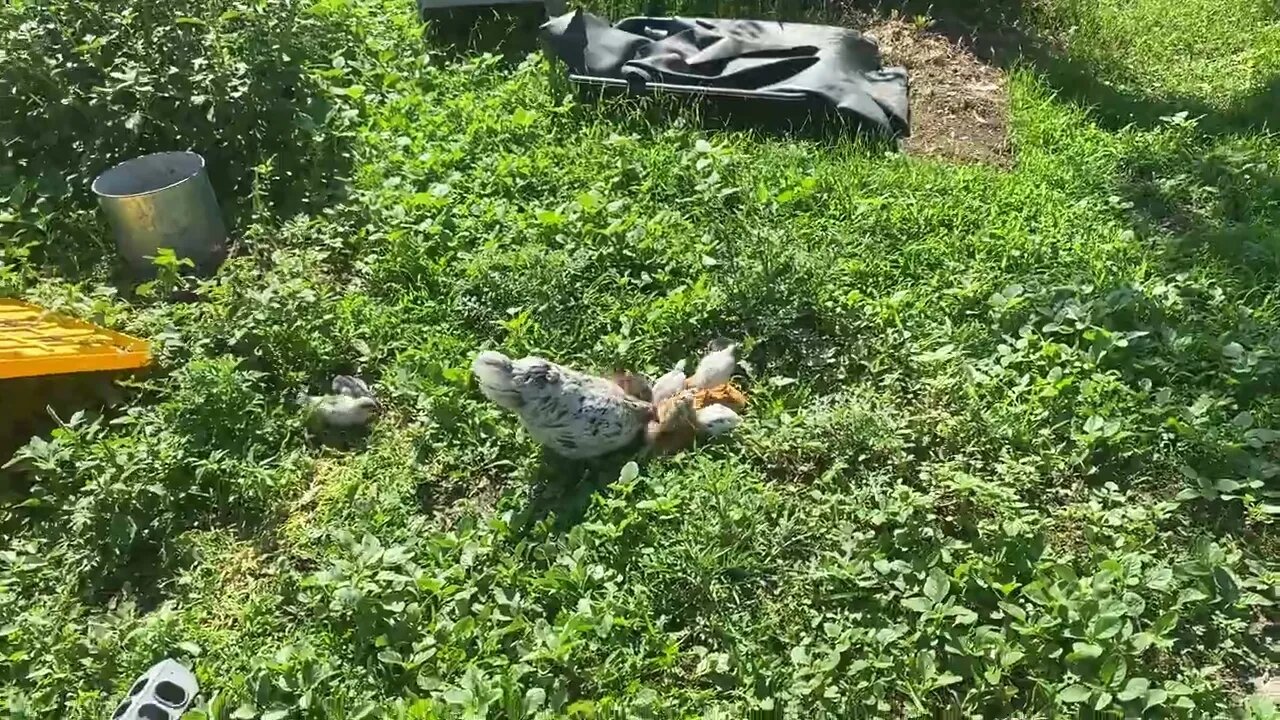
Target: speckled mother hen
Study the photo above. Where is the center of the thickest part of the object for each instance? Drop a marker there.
(576, 415)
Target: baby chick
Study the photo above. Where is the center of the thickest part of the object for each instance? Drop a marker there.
(715, 420)
(680, 420)
(705, 405)
(674, 425)
(715, 369)
(669, 384)
(351, 405)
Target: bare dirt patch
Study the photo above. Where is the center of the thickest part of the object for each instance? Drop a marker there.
(959, 103)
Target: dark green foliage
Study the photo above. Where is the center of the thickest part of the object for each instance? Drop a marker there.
(257, 88)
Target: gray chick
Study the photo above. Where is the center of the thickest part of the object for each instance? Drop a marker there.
(351, 405)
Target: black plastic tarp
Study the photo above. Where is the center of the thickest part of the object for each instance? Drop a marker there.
(839, 66)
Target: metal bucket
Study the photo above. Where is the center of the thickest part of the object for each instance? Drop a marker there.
(163, 201)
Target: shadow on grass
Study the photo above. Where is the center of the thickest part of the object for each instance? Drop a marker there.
(1213, 194)
(548, 486)
(1211, 200)
(808, 121)
(563, 489)
(1005, 33)
(1112, 107)
(509, 31)
(1207, 200)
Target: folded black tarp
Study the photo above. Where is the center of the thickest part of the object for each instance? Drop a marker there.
(838, 66)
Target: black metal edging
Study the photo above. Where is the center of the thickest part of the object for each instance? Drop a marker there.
(640, 87)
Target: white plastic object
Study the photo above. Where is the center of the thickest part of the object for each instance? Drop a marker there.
(163, 692)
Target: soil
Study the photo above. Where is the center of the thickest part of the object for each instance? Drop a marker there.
(959, 103)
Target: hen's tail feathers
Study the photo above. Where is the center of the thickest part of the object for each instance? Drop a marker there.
(493, 371)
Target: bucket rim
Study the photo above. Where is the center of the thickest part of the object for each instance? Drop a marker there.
(200, 167)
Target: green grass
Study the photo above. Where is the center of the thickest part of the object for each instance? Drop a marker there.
(1010, 450)
(1198, 50)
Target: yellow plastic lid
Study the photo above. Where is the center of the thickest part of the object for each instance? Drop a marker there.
(35, 341)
